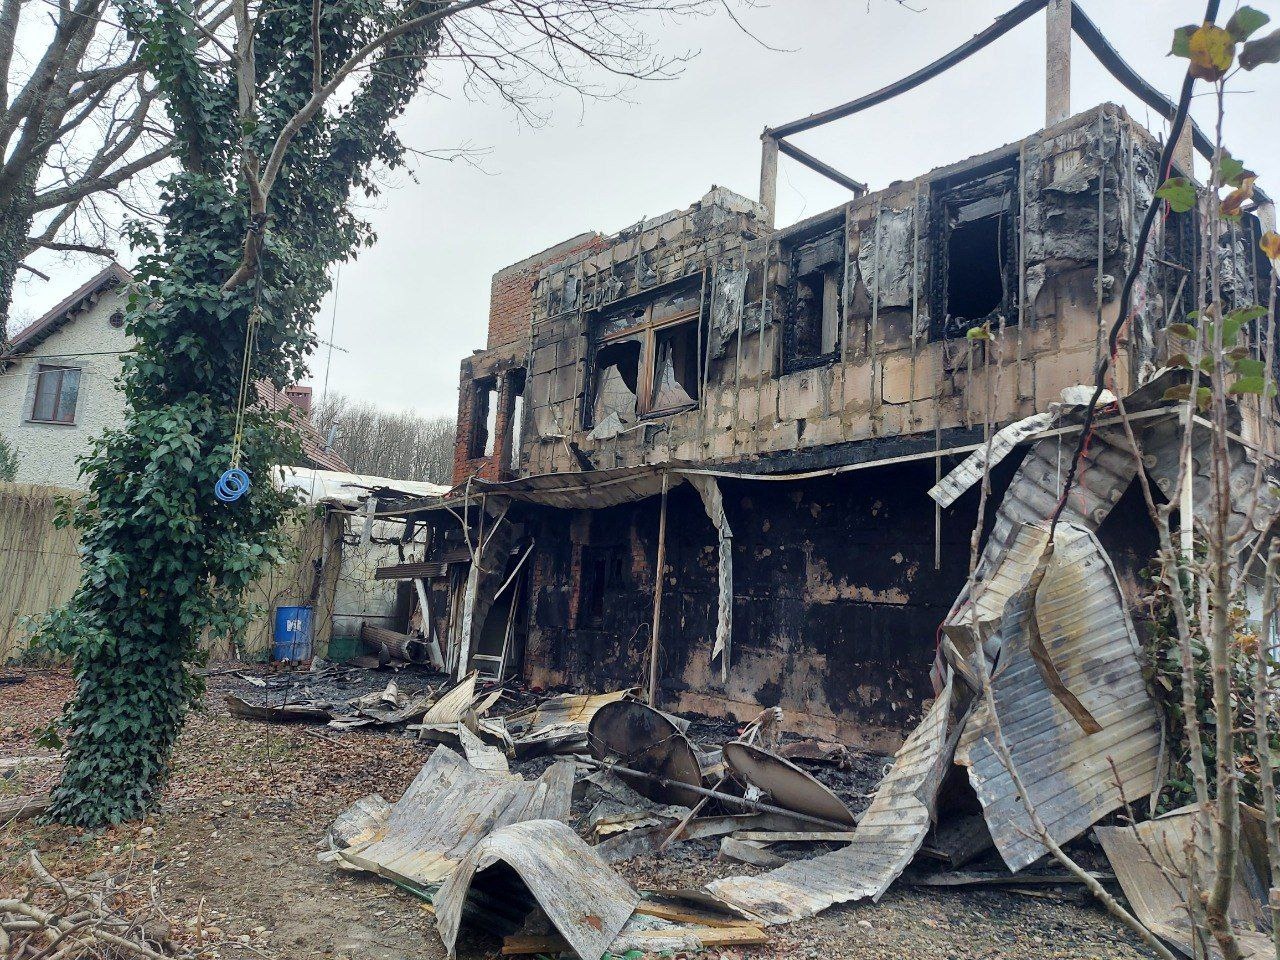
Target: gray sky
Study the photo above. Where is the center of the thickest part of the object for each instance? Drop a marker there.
(409, 309)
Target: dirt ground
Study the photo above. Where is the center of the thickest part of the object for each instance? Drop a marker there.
(232, 853)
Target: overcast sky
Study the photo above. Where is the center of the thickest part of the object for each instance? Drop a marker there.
(411, 308)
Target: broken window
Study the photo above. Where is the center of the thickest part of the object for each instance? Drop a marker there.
(484, 418)
(977, 254)
(617, 378)
(604, 569)
(813, 300)
(648, 360)
(675, 381)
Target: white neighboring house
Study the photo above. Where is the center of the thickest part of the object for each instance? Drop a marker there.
(57, 388)
(58, 385)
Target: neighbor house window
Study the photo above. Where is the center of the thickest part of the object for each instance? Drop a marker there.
(977, 252)
(648, 359)
(813, 301)
(57, 390)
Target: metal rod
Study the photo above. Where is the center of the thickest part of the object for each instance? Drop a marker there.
(657, 594)
(817, 166)
(1002, 25)
(714, 794)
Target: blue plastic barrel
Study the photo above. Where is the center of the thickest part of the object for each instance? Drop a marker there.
(293, 634)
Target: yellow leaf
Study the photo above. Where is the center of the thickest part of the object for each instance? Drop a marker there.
(1236, 198)
(1270, 244)
(1212, 51)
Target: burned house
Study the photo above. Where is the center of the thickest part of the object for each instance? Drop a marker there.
(702, 456)
(887, 470)
(767, 409)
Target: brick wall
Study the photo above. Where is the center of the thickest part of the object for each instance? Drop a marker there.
(511, 291)
(510, 321)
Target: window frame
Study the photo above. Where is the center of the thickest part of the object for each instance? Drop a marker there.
(48, 370)
(832, 273)
(648, 331)
(998, 179)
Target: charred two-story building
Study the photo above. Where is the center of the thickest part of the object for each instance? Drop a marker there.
(696, 455)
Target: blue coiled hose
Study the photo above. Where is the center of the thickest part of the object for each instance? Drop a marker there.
(232, 485)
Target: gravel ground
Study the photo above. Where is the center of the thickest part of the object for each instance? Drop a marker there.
(233, 851)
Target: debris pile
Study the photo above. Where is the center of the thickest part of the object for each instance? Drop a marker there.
(81, 920)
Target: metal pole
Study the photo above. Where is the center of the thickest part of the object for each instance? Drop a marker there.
(657, 594)
(715, 794)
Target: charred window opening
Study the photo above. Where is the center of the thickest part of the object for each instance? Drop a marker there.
(1179, 264)
(975, 268)
(815, 271)
(604, 570)
(515, 417)
(617, 380)
(484, 418)
(648, 359)
(675, 379)
(976, 253)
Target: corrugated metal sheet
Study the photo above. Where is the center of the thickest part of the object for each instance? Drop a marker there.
(888, 836)
(448, 809)
(1150, 863)
(1086, 630)
(583, 897)
(1162, 444)
(950, 487)
(561, 722)
(588, 489)
(1104, 475)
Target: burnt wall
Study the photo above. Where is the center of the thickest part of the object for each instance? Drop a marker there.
(836, 599)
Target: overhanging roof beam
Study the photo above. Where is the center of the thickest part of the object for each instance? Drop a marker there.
(817, 166)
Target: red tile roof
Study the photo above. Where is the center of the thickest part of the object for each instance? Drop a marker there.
(308, 435)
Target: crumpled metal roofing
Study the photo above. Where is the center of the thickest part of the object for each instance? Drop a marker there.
(350, 489)
(1162, 443)
(1086, 630)
(889, 834)
(1105, 471)
(947, 490)
(583, 897)
(448, 809)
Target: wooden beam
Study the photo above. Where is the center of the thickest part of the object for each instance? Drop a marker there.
(745, 935)
(657, 594)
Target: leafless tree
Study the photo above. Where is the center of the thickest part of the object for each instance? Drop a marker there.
(79, 119)
(403, 445)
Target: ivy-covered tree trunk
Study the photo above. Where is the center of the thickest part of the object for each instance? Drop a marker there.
(167, 563)
(15, 225)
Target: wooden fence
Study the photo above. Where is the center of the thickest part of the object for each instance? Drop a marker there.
(40, 568)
